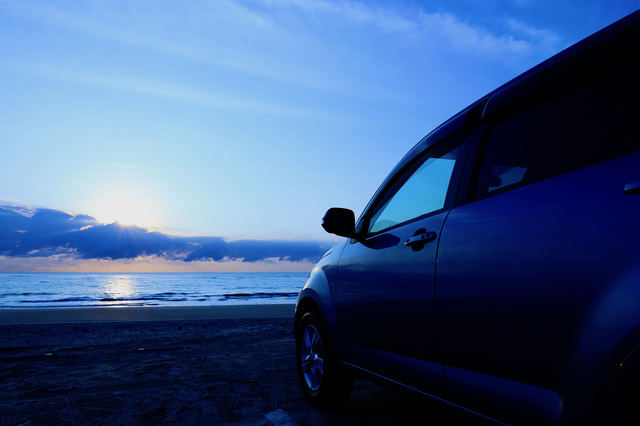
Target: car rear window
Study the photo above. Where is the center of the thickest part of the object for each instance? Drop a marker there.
(594, 122)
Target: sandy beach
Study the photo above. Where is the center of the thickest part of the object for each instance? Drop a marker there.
(212, 365)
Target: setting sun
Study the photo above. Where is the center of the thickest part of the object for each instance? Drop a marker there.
(128, 206)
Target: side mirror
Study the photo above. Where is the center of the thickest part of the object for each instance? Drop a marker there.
(341, 222)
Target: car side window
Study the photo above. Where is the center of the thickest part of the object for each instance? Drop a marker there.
(421, 190)
(591, 123)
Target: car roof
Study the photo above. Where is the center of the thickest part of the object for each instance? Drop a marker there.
(623, 36)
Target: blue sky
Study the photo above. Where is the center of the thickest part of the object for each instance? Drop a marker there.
(240, 120)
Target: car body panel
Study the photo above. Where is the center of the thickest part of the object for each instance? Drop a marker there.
(511, 305)
(384, 283)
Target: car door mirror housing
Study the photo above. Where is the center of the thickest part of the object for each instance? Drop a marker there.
(339, 221)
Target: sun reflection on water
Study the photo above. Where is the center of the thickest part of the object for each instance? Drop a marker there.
(118, 289)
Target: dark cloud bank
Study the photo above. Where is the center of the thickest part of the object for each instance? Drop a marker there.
(46, 232)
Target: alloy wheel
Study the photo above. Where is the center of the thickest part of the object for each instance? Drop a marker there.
(312, 357)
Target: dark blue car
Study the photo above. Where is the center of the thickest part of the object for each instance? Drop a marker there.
(497, 268)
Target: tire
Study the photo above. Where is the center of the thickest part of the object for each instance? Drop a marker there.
(630, 415)
(321, 383)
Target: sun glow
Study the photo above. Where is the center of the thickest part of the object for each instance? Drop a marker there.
(127, 206)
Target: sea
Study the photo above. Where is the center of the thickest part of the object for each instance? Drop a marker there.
(62, 290)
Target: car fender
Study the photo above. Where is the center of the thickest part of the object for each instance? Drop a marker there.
(319, 291)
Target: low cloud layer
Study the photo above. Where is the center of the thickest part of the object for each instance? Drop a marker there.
(26, 233)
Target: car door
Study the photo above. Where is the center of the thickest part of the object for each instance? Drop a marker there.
(384, 302)
(546, 235)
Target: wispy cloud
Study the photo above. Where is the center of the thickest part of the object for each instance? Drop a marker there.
(471, 38)
(258, 38)
(197, 32)
(546, 39)
(383, 19)
(422, 25)
(169, 91)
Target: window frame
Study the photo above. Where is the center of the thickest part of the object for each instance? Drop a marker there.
(513, 100)
(464, 122)
(454, 140)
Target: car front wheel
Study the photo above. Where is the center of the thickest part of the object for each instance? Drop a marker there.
(322, 384)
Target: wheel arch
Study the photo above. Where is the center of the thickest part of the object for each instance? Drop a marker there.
(625, 380)
(319, 292)
(305, 305)
(606, 361)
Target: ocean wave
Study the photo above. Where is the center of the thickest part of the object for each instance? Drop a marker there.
(43, 290)
(26, 294)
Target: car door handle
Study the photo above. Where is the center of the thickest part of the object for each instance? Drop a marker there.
(420, 239)
(632, 187)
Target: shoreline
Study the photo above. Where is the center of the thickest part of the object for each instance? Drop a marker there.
(142, 313)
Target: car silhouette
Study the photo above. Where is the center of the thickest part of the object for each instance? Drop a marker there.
(497, 268)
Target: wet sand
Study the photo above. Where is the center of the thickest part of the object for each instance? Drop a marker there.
(160, 313)
(172, 365)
